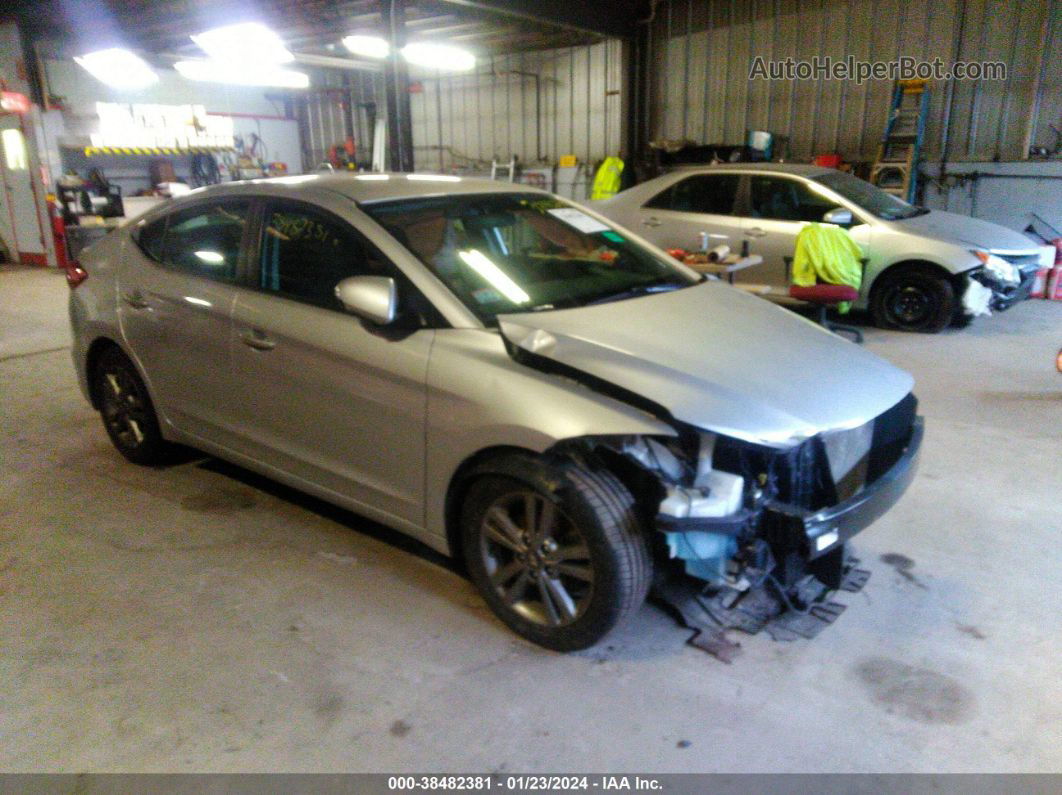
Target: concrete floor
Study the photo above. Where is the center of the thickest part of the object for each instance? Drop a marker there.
(200, 618)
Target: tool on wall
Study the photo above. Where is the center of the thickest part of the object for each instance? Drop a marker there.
(896, 168)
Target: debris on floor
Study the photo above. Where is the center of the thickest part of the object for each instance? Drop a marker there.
(803, 613)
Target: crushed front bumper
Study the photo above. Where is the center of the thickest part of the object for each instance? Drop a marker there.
(1005, 294)
(817, 533)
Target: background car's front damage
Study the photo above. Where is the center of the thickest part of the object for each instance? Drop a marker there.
(753, 537)
(1001, 281)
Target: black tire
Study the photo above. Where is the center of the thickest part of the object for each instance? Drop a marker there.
(127, 411)
(588, 506)
(913, 298)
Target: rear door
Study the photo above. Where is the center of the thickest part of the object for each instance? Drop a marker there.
(323, 395)
(676, 217)
(778, 208)
(176, 286)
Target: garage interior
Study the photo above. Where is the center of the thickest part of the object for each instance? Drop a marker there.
(202, 618)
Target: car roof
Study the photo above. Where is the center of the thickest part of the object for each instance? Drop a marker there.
(803, 169)
(369, 187)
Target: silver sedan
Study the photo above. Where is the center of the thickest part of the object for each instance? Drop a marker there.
(925, 269)
(503, 375)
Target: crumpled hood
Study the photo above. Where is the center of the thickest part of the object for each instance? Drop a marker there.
(955, 228)
(719, 359)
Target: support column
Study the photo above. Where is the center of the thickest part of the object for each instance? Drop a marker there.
(396, 88)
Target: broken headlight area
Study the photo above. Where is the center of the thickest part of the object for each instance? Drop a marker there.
(752, 537)
(993, 289)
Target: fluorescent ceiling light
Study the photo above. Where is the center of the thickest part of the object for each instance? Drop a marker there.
(444, 57)
(244, 42)
(478, 262)
(246, 75)
(118, 68)
(367, 46)
(433, 177)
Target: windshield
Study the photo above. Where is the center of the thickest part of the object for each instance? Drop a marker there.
(870, 197)
(520, 252)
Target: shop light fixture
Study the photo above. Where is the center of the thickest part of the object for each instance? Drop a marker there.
(244, 43)
(242, 75)
(367, 46)
(118, 68)
(444, 57)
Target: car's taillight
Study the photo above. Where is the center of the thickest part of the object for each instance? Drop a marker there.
(75, 274)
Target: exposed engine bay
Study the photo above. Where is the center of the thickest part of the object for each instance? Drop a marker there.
(751, 537)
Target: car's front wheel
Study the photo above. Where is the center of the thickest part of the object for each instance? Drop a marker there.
(556, 550)
(126, 408)
(913, 298)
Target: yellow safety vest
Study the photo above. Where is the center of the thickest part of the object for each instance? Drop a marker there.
(607, 179)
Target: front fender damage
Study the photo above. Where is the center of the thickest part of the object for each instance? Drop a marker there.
(744, 536)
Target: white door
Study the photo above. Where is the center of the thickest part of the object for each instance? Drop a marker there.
(676, 217)
(19, 224)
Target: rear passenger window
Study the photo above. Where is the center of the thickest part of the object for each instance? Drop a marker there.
(703, 193)
(306, 253)
(205, 240)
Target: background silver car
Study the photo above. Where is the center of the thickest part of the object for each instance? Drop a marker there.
(500, 374)
(921, 262)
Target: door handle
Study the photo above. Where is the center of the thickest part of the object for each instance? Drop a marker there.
(135, 299)
(253, 338)
(651, 221)
(755, 232)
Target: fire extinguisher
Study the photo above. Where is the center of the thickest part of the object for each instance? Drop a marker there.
(58, 233)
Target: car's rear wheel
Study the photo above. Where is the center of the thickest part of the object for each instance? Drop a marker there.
(126, 409)
(556, 550)
(913, 299)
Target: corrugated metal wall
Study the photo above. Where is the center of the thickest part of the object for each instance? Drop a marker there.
(703, 50)
(322, 112)
(465, 121)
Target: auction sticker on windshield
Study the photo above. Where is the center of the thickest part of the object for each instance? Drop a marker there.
(580, 220)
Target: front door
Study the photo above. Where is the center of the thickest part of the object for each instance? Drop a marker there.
(701, 203)
(325, 396)
(176, 287)
(778, 208)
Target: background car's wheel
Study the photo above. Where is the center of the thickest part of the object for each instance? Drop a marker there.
(913, 299)
(556, 550)
(126, 409)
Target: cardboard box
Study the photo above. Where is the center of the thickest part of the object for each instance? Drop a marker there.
(1039, 286)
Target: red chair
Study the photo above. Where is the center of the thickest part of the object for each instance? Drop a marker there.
(824, 297)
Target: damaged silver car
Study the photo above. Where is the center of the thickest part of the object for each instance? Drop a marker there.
(510, 379)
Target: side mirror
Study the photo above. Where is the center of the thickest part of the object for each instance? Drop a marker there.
(374, 298)
(838, 215)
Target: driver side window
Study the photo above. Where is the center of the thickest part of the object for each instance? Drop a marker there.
(306, 252)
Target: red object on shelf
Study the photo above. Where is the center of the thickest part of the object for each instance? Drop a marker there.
(678, 253)
(828, 161)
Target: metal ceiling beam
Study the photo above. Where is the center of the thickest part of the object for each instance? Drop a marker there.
(585, 17)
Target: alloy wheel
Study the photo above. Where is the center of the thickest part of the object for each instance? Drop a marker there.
(536, 559)
(124, 408)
